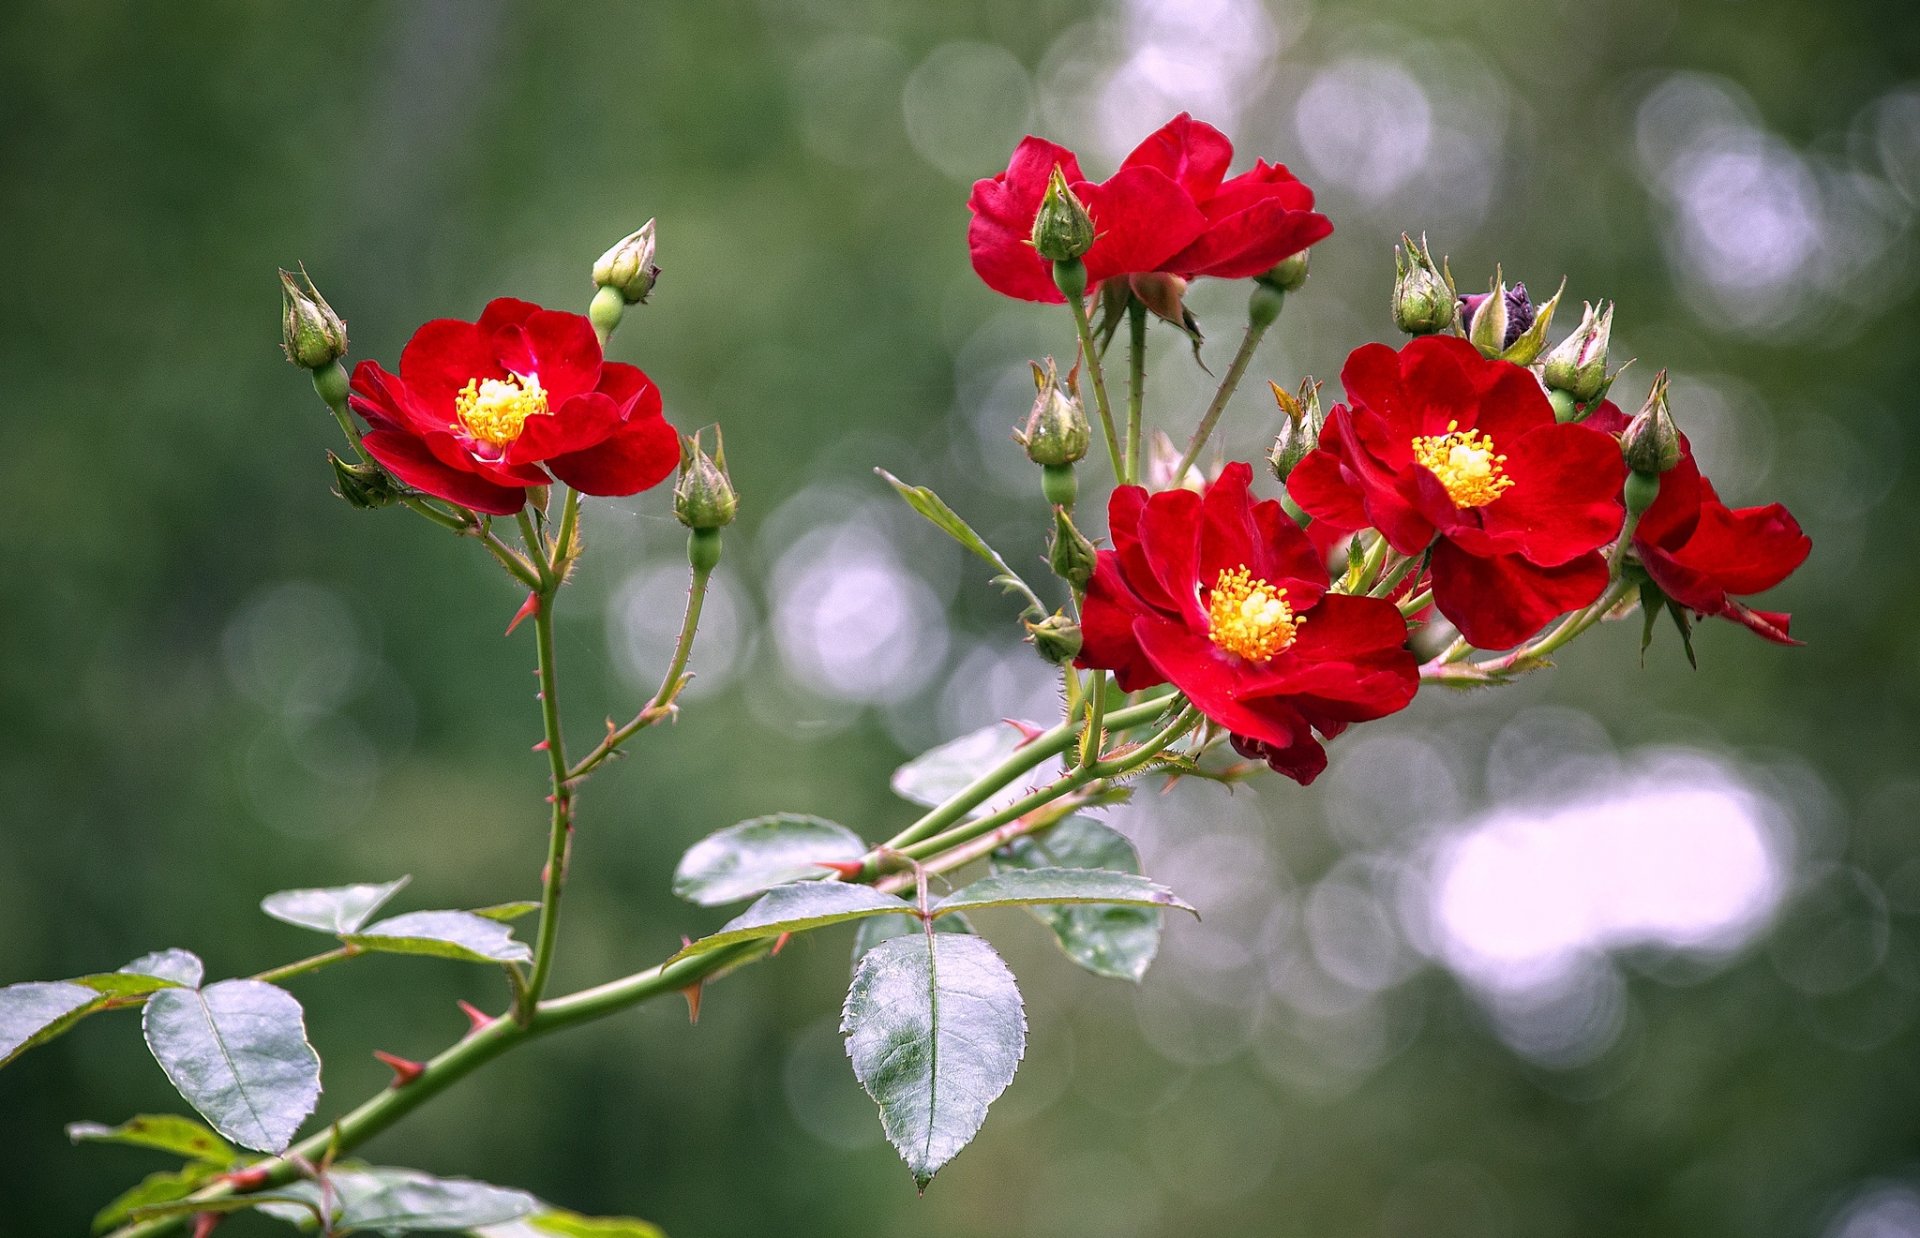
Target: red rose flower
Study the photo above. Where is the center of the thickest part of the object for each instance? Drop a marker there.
(1227, 600)
(1702, 553)
(478, 409)
(1442, 447)
(1169, 208)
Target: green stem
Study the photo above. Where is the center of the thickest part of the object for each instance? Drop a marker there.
(1083, 329)
(286, 971)
(536, 547)
(1136, 385)
(661, 705)
(1259, 319)
(1091, 738)
(560, 830)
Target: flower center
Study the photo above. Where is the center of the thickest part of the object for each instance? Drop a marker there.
(1465, 463)
(493, 410)
(1249, 617)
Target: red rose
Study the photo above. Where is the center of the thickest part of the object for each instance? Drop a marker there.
(1702, 553)
(478, 408)
(1168, 208)
(1442, 447)
(1227, 600)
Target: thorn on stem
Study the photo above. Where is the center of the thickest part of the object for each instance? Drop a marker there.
(1028, 731)
(478, 1018)
(405, 1070)
(851, 870)
(779, 944)
(527, 608)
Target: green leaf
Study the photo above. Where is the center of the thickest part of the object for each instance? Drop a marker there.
(167, 1132)
(1033, 887)
(505, 912)
(935, 1030)
(238, 1052)
(557, 1223)
(745, 859)
(163, 969)
(1115, 940)
(944, 518)
(38, 1010)
(404, 1201)
(158, 1188)
(444, 934)
(936, 775)
(333, 909)
(885, 928)
(798, 907)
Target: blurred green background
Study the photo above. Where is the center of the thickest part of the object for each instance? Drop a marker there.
(1677, 996)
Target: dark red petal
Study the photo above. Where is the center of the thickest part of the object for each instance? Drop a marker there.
(1286, 556)
(1210, 679)
(1499, 601)
(1227, 535)
(1512, 404)
(1192, 153)
(1125, 508)
(559, 349)
(1676, 509)
(440, 359)
(641, 455)
(1140, 219)
(1000, 236)
(582, 422)
(503, 312)
(1771, 624)
(1264, 182)
(1106, 627)
(1170, 538)
(1349, 653)
(1322, 489)
(630, 388)
(1565, 497)
(1303, 761)
(1693, 587)
(1746, 551)
(407, 458)
(383, 399)
(1251, 242)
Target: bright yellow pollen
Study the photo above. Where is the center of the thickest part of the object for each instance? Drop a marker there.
(1465, 464)
(494, 410)
(1249, 617)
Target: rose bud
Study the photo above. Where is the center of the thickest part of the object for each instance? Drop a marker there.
(1496, 318)
(366, 486)
(312, 334)
(1423, 297)
(1056, 638)
(1062, 231)
(703, 498)
(1162, 459)
(1578, 364)
(1651, 440)
(1057, 433)
(1069, 553)
(1289, 275)
(1301, 432)
(628, 267)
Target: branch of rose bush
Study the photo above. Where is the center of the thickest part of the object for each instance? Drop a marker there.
(1452, 670)
(671, 684)
(1263, 308)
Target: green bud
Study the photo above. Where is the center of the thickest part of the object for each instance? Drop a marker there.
(1651, 441)
(1069, 553)
(365, 486)
(1056, 638)
(1578, 364)
(1264, 305)
(703, 498)
(1487, 324)
(703, 549)
(1640, 492)
(628, 267)
(1062, 229)
(310, 332)
(1300, 433)
(1057, 431)
(1059, 485)
(1288, 275)
(1423, 295)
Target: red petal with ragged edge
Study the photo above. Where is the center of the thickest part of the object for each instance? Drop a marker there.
(640, 455)
(504, 312)
(582, 422)
(1235, 533)
(407, 458)
(1192, 153)
(1303, 762)
(383, 399)
(1124, 510)
(559, 349)
(629, 387)
(1501, 600)
(1170, 533)
(1771, 624)
(1107, 641)
(1140, 219)
(1000, 236)
(1565, 497)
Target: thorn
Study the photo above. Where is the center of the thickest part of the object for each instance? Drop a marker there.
(849, 869)
(528, 607)
(405, 1070)
(204, 1223)
(779, 944)
(692, 993)
(479, 1018)
(1028, 731)
(251, 1178)
(541, 746)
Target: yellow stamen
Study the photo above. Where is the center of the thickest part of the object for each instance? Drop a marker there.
(495, 410)
(1249, 617)
(1465, 463)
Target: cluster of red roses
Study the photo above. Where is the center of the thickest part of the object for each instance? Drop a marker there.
(1456, 459)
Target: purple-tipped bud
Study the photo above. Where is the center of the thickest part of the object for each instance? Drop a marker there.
(1495, 319)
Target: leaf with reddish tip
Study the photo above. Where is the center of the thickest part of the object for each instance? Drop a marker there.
(796, 908)
(754, 856)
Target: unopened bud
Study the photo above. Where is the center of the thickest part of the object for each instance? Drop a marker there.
(1162, 459)
(1495, 320)
(1423, 298)
(1300, 433)
(1062, 230)
(1057, 432)
(1288, 275)
(1070, 554)
(1056, 638)
(1651, 441)
(310, 332)
(1524, 348)
(366, 486)
(703, 498)
(1578, 364)
(628, 267)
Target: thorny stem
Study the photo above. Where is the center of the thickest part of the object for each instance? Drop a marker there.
(661, 706)
(1236, 369)
(560, 832)
(1136, 385)
(1091, 356)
